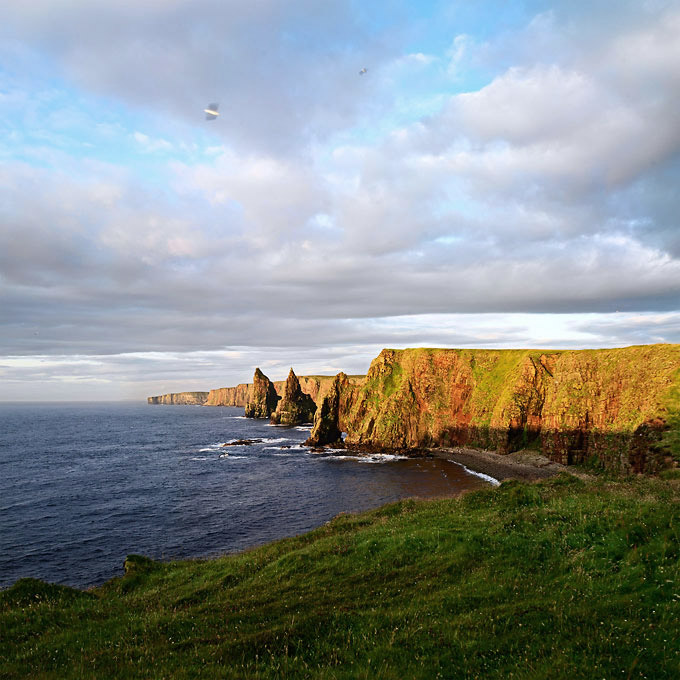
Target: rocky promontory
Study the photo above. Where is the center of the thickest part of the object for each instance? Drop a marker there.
(617, 408)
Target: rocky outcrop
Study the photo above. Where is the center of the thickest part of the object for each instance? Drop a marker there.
(329, 416)
(295, 406)
(619, 407)
(180, 398)
(263, 397)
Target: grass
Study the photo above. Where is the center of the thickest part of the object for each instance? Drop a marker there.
(562, 579)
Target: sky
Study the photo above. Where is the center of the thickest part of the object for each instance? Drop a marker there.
(504, 175)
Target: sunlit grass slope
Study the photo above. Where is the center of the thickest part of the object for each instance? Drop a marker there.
(563, 579)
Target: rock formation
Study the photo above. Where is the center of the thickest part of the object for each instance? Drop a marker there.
(295, 406)
(330, 412)
(619, 407)
(180, 398)
(316, 386)
(263, 397)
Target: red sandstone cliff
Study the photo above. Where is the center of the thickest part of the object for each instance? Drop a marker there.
(614, 405)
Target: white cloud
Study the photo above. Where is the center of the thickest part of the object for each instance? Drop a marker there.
(323, 209)
(151, 145)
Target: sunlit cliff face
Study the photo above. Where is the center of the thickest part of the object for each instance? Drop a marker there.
(618, 408)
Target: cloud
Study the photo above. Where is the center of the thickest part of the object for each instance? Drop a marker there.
(284, 73)
(151, 145)
(323, 208)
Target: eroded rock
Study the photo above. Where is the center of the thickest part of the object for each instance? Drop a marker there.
(295, 406)
(263, 397)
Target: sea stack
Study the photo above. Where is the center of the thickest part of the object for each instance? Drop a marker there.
(326, 428)
(263, 398)
(295, 407)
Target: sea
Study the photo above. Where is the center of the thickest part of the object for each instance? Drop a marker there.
(84, 485)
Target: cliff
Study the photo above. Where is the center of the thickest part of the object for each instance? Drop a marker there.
(180, 398)
(619, 407)
(230, 396)
(296, 407)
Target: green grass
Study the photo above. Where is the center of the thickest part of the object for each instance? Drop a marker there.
(563, 579)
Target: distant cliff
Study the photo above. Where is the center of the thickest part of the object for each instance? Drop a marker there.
(313, 385)
(617, 407)
(229, 396)
(180, 398)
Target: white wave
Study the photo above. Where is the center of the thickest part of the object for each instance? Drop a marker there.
(201, 458)
(238, 417)
(492, 480)
(380, 458)
(230, 457)
(274, 440)
(305, 428)
(367, 458)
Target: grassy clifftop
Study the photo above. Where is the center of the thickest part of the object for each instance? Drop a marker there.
(619, 405)
(563, 579)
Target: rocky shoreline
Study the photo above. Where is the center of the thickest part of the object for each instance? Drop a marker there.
(524, 465)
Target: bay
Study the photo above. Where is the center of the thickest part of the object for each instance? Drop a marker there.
(84, 485)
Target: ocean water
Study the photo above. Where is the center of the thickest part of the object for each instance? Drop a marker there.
(82, 486)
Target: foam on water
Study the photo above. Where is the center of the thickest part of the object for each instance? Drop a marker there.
(487, 478)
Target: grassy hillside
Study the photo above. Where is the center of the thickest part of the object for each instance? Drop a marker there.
(563, 579)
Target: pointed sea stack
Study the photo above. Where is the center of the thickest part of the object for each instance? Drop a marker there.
(263, 398)
(326, 428)
(295, 407)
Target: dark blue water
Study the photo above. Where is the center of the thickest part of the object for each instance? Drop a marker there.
(82, 486)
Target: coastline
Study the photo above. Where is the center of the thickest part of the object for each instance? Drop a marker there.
(523, 465)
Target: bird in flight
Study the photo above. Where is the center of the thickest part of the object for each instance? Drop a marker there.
(211, 112)
(363, 70)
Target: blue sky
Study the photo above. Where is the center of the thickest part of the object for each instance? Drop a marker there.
(504, 175)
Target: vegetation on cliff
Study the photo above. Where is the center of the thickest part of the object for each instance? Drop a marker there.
(562, 579)
(619, 406)
(295, 406)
